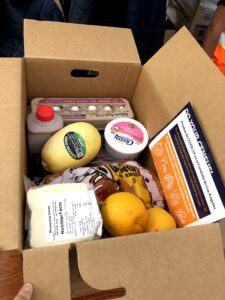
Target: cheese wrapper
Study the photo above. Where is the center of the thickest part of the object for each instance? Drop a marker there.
(62, 213)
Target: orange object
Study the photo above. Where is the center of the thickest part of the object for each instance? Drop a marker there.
(219, 54)
(159, 219)
(173, 182)
(124, 213)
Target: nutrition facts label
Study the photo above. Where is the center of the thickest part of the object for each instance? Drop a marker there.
(72, 215)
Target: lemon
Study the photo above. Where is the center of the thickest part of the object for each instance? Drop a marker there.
(124, 213)
(159, 219)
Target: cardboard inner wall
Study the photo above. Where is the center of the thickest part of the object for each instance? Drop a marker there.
(52, 78)
(50, 60)
(12, 147)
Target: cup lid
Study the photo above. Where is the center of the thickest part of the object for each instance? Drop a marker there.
(126, 135)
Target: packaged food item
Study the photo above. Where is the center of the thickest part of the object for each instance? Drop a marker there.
(97, 111)
(125, 138)
(40, 126)
(110, 178)
(62, 213)
(73, 146)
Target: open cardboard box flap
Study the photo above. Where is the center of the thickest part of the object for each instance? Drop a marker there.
(155, 266)
(180, 72)
(57, 40)
(66, 47)
(48, 269)
(185, 264)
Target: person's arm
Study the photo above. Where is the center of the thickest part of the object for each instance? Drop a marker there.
(216, 27)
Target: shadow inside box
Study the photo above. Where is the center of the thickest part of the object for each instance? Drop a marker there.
(92, 294)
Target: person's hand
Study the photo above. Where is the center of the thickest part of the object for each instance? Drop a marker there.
(25, 293)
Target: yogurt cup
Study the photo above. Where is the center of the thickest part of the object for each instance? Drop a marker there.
(125, 138)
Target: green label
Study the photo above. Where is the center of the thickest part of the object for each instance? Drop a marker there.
(75, 145)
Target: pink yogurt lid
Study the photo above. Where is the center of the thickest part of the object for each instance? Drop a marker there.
(126, 136)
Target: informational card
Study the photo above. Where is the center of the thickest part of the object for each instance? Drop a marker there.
(190, 179)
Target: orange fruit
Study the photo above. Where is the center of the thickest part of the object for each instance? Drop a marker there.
(124, 213)
(159, 219)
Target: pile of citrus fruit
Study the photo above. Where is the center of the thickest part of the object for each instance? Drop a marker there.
(124, 213)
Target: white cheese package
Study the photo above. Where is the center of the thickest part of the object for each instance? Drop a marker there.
(62, 213)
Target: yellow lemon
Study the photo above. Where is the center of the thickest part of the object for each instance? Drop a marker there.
(124, 213)
(159, 219)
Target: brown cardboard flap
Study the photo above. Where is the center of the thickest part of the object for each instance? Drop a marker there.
(222, 228)
(181, 72)
(182, 264)
(48, 270)
(11, 185)
(57, 40)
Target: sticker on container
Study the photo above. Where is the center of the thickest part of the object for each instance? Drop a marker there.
(128, 133)
(125, 138)
(71, 215)
(190, 179)
(75, 145)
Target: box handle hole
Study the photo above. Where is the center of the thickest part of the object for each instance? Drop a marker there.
(84, 73)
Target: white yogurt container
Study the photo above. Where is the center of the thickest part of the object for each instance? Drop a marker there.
(125, 138)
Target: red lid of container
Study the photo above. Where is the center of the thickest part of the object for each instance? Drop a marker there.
(45, 113)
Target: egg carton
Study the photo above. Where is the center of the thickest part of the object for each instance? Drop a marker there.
(97, 111)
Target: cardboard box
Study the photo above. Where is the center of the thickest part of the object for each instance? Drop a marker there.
(179, 264)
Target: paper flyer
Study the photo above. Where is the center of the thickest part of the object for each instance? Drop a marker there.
(190, 179)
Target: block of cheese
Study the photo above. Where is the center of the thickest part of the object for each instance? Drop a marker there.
(73, 146)
(62, 213)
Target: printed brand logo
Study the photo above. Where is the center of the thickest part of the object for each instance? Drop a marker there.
(75, 145)
(125, 140)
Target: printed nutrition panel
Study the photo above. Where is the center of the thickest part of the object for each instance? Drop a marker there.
(68, 218)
